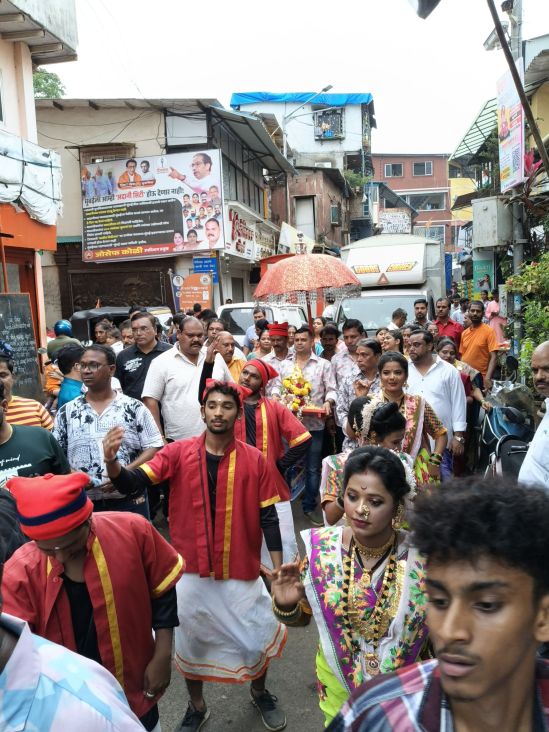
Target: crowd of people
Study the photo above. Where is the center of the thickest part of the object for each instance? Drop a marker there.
(429, 589)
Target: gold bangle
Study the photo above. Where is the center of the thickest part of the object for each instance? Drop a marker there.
(283, 613)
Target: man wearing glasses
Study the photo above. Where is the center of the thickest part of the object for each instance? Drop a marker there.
(81, 425)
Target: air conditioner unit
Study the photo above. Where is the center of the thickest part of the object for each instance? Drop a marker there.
(335, 215)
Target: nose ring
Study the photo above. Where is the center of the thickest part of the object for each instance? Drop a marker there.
(365, 511)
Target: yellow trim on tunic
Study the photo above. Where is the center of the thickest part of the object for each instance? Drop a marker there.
(300, 438)
(112, 618)
(169, 578)
(269, 502)
(151, 475)
(228, 514)
(48, 567)
(264, 422)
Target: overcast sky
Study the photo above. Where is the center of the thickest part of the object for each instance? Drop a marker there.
(429, 78)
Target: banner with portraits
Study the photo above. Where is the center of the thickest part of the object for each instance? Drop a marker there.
(153, 206)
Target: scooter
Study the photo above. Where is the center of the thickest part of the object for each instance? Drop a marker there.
(512, 416)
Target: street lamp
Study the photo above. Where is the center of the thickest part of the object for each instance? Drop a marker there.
(288, 117)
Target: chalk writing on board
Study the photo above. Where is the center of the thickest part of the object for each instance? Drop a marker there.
(16, 329)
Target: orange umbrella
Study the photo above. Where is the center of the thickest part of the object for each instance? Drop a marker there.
(306, 277)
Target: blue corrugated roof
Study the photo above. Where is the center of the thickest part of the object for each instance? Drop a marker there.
(332, 100)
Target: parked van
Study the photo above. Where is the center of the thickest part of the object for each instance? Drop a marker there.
(394, 270)
(238, 316)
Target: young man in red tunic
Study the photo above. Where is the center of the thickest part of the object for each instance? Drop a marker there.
(222, 496)
(98, 584)
(267, 423)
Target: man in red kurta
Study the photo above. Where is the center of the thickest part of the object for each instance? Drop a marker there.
(266, 423)
(222, 496)
(97, 584)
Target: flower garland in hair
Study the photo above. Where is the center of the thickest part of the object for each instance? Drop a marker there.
(410, 478)
(367, 413)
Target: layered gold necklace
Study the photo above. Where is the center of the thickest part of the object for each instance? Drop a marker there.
(374, 627)
(374, 552)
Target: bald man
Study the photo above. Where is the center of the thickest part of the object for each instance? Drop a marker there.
(233, 356)
(535, 468)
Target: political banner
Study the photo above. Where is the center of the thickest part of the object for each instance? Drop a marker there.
(154, 206)
(510, 130)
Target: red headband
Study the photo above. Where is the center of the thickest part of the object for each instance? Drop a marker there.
(242, 391)
(266, 371)
(278, 329)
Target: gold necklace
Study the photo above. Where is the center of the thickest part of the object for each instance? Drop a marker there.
(374, 552)
(375, 626)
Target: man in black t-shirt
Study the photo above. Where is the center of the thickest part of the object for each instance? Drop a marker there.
(132, 363)
(27, 451)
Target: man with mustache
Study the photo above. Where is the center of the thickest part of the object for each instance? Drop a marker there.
(488, 613)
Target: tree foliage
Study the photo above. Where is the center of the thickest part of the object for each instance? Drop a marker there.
(47, 85)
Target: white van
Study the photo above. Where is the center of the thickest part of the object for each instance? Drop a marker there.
(238, 316)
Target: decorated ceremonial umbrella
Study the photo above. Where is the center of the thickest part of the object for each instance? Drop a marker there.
(304, 278)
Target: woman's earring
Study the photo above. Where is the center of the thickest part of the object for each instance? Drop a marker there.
(398, 518)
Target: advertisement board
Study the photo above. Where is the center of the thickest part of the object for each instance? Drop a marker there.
(483, 276)
(193, 288)
(510, 130)
(154, 206)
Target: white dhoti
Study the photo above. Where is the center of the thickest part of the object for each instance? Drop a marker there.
(287, 533)
(227, 631)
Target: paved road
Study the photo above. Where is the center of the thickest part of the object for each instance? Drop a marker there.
(291, 678)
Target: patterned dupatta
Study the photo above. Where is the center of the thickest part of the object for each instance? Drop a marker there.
(323, 578)
(414, 413)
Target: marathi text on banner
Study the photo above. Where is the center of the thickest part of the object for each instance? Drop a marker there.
(155, 206)
(510, 130)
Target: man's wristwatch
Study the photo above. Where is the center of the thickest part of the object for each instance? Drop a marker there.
(461, 440)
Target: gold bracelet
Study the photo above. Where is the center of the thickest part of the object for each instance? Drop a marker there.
(282, 613)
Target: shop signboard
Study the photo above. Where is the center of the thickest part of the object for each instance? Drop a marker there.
(153, 206)
(240, 236)
(207, 265)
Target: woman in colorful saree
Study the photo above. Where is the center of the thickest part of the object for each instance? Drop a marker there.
(363, 583)
(421, 421)
(373, 423)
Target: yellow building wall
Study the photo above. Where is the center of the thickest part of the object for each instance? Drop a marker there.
(458, 187)
(540, 108)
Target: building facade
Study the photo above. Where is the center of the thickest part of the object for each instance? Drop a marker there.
(31, 33)
(103, 132)
(423, 182)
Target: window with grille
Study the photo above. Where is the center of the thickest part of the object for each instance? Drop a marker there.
(102, 153)
(328, 124)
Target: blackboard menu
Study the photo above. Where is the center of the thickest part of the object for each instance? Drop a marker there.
(17, 330)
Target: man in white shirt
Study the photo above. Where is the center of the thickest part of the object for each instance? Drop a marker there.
(398, 319)
(535, 468)
(201, 178)
(171, 386)
(440, 384)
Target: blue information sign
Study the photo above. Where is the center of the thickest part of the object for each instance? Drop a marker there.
(206, 264)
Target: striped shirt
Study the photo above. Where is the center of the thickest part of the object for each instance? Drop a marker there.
(28, 412)
(412, 700)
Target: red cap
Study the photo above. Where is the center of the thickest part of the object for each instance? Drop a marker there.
(278, 329)
(50, 506)
(265, 369)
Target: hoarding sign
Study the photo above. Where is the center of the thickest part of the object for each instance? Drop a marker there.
(194, 288)
(483, 276)
(154, 206)
(510, 130)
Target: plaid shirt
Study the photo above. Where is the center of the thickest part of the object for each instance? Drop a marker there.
(412, 700)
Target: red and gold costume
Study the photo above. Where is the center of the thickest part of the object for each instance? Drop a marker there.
(274, 422)
(245, 484)
(128, 564)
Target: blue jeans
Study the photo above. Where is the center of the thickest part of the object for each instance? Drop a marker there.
(313, 466)
(447, 465)
(139, 505)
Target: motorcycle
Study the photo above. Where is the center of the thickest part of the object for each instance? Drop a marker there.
(508, 427)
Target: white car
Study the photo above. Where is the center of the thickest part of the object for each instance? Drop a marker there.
(238, 316)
